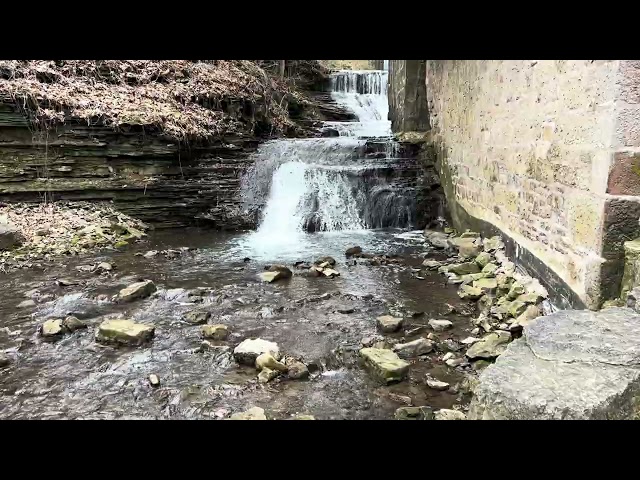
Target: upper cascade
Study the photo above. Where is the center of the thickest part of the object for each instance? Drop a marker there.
(364, 92)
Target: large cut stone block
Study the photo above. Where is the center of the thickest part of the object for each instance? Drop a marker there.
(568, 365)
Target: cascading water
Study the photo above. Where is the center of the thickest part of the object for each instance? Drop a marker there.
(351, 182)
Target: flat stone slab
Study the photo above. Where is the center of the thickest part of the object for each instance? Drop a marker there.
(125, 332)
(568, 365)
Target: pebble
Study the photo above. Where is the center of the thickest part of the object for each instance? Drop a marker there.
(455, 362)
(440, 325)
(437, 384)
(27, 304)
(154, 380)
(452, 345)
(470, 340)
(104, 267)
(346, 310)
(448, 356)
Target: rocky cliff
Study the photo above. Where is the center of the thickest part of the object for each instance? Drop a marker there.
(168, 162)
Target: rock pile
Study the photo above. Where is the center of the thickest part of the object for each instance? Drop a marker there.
(31, 233)
(507, 299)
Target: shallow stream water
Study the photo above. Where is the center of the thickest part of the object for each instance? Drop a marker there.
(77, 378)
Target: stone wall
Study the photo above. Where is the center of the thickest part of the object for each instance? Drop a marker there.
(548, 152)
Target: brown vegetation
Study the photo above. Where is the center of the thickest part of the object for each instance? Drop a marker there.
(184, 100)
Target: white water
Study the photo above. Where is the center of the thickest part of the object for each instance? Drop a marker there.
(320, 184)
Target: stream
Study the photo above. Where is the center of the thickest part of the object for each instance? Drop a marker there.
(315, 197)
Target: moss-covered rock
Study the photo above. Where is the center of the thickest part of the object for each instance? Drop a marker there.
(215, 332)
(267, 360)
(486, 285)
(515, 291)
(385, 365)
(52, 328)
(467, 292)
(483, 258)
(489, 269)
(464, 268)
(491, 346)
(515, 308)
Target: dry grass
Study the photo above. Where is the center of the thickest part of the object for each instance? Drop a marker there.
(182, 99)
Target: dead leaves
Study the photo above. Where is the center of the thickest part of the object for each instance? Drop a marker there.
(182, 99)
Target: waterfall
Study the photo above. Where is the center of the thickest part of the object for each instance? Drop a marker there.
(355, 181)
(365, 94)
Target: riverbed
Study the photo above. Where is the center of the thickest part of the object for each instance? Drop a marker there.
(75, 377)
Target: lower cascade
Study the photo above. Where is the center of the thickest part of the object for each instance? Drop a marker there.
(354, 181)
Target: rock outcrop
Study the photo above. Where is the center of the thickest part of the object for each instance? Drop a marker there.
(568, 365)
(145, 170)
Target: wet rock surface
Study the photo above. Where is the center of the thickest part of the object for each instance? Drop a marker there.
(136, 291)
(249, 350)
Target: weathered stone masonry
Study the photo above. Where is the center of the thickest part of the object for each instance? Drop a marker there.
(548, 152)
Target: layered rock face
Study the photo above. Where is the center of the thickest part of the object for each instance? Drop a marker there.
(147, 175)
